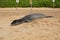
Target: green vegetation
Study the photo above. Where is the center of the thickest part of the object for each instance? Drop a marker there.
(25, 3)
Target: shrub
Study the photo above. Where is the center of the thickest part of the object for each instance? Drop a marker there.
(25, 3)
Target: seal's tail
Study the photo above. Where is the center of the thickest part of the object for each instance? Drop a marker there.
(49, 17)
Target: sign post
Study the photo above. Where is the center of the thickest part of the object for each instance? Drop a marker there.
(31, 5)
(53, 3)
(17, 1)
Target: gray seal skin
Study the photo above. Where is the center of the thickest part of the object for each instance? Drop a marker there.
(29, 18)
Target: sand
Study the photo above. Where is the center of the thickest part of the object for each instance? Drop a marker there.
(39, 29)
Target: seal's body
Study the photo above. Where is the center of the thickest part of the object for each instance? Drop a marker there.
(29, 18)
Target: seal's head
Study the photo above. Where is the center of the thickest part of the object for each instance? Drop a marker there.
(16, 22)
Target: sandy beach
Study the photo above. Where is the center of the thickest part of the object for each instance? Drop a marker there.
(39, 29)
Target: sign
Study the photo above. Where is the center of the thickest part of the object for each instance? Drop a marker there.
(53, 0)
(17, 1)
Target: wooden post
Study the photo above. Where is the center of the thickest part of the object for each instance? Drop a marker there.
(31, 5)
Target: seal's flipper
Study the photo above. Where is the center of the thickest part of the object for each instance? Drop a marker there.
(49, 16)
(26, 20)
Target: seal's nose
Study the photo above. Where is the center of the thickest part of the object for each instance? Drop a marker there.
(16, 22)
(12, 24)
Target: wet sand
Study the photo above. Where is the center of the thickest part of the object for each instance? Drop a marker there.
(39, 29)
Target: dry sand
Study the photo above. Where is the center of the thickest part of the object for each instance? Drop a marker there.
(39, 29)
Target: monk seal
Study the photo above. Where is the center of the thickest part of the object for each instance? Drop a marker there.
(29, 18)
